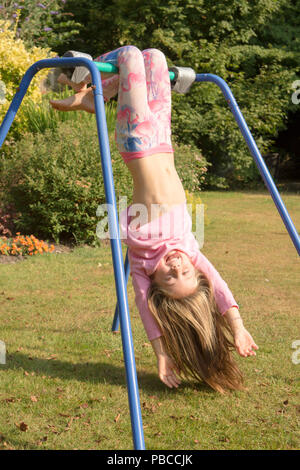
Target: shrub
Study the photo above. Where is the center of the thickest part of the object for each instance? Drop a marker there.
(191, 167)
(55, 180)
(7, 216)
(15, 59)
(40, 23)
(254, 46)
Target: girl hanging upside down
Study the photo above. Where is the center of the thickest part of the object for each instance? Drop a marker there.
(189, 313)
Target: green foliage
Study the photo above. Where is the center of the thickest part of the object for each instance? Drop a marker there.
(42, 24)
(41, 116)
(53, 179)
(254, 46)
(15, 58)
(191, 167)
(55, 183)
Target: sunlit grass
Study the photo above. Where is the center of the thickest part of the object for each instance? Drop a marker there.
(64, 378)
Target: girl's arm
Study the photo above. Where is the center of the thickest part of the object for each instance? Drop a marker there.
(141, 284)
(228, 307)
(166, 366)
(244, 342)
(167, 370)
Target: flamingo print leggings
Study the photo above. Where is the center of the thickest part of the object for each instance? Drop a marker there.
(144, 101)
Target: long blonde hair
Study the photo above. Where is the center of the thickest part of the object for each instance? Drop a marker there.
(196, 335)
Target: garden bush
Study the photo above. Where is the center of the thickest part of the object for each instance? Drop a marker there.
(40, 116)
(15, 59)
(254, 46)
(42, 24)
(54, 180)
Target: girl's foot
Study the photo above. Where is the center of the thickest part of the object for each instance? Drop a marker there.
(64, 80)
(84, 100)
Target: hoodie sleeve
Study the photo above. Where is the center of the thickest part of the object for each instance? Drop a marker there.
(141, 284)
(223, 296)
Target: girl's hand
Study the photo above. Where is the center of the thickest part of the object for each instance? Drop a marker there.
(244, 342)
(166, 371)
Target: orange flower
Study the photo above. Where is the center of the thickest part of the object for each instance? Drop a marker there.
(24, 245)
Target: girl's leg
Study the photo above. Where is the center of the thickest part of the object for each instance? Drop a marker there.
(159, 93)
(144, 102)
(64, 80)
(110, 82)
(133, 128)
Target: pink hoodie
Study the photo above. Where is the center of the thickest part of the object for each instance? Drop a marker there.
(148, 243)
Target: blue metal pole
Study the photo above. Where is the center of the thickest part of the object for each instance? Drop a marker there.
(208, 77)
(17, 100)
(131, 377)
(115, 325)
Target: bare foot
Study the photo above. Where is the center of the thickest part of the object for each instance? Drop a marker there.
(84, 100)
(64, 80)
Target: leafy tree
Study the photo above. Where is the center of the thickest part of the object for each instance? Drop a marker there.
(254, 46)
(42, 24)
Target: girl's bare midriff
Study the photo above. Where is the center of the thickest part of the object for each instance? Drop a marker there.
(155, 181)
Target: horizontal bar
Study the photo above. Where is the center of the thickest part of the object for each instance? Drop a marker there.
(110, 68)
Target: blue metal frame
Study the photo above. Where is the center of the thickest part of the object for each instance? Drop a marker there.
(121, 288)
(122, 272)
(208, 77)
(115, 325)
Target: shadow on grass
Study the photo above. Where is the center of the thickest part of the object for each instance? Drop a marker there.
(100, 372)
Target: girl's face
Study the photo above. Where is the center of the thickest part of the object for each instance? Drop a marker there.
(176, 274)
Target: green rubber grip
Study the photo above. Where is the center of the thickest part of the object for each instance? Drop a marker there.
(110, 68)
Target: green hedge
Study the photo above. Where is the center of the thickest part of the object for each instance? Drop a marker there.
(253, 45)
(54, 182)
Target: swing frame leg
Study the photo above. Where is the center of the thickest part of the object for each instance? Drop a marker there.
(260, 163)
(120, 282)
(116, 320)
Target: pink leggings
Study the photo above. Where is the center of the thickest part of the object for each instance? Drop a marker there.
(144, 101)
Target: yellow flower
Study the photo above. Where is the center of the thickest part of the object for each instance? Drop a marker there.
(15, 59)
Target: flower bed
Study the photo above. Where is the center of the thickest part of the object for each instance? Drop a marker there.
(24, 245)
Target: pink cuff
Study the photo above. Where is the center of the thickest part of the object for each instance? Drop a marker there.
(232, 306)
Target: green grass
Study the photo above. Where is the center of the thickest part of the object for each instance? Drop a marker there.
(64, 377)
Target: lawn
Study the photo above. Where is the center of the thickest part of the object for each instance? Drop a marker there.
(63, 384)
